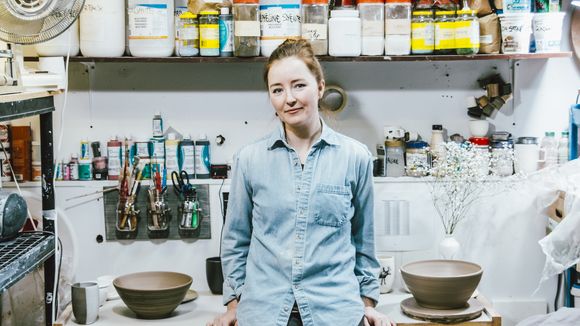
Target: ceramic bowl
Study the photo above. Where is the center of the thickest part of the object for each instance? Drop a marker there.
(442, 284)
(152, 295)
(478, 128)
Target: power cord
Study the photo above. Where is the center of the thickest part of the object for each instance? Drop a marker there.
(223, 214)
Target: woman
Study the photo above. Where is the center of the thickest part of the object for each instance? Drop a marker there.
(298, 245)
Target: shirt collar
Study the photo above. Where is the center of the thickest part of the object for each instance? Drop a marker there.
(278, 136)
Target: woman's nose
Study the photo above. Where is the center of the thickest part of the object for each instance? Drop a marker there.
(290, 99)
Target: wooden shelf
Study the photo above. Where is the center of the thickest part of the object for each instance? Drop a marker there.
(404, 58)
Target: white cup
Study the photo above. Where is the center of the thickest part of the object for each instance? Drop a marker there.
(478, 128)
(85, 302)
(527, 157)
(386, 273)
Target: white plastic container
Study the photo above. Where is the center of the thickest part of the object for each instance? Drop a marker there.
(547, 29)
(398, 27)
(516, 30)
(372, 14)
(59, 46)
(344, 33)
(151, 28)
(279, 20)
(102, 28)
(575, 291)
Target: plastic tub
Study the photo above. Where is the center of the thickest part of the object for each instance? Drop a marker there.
(151, 28)
(547, 29)
(516, 30)
(102, 28)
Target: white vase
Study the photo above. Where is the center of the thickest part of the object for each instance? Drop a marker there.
(449, 247)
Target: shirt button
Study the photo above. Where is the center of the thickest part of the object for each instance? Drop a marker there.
(296, 286)
(285, 308)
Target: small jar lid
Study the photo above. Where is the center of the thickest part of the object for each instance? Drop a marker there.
(417, 144)
(370, 1)
(394, 143)
(437, 127)
(247, 1)
(344, 13)
(479, 141)
(188, 15)
(527, 140)
(444, 13)
(422, 13)
(315, 2)
(209, 12)
(467, 12)
(398, 1)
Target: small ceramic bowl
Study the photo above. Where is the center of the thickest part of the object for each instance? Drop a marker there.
(152, 295)
(478, 128)
(442, 284)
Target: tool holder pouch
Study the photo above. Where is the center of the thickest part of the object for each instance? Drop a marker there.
(186, 227)
(158, 215)
(127, 219)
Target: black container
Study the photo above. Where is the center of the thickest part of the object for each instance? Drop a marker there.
(214, 275)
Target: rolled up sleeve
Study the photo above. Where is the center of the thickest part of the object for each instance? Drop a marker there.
(236, 233)
(366, 266)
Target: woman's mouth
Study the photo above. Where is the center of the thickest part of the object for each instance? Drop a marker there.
(292, 111)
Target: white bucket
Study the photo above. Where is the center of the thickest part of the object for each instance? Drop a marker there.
(547, 29)
(516, 30)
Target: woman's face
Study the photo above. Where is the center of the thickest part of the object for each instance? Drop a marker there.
(294, 92)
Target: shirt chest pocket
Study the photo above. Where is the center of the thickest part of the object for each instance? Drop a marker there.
(331, 204)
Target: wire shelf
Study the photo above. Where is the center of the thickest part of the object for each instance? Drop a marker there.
(21, 255)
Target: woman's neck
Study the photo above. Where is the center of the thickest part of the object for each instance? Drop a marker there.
(302, 139)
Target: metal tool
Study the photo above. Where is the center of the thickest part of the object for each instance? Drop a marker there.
(181, 183)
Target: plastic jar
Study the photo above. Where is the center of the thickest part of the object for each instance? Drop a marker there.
(344, 33)
(481, 146)
(246, 28)
(102, 28)
(395, 158)
(59, 46)
(398, 27)
(417, 158)
(209, 33)
(372, 14)
(279, 20)
(188, 35)
(444, 32)
(422, 32)
(467, 32)
(315, 25)
(502, 153)
(151, 28)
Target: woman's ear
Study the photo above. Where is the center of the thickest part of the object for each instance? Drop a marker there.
(321, 86)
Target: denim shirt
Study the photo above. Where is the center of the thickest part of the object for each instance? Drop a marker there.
(301, 235)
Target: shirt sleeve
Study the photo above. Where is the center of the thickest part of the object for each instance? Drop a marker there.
(236, 233)
(366, 266)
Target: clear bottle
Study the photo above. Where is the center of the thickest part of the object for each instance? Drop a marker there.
(246, 28)
(481, 146)
(422, 32)
(344, 33)
(445, 32)
(315, 25)
(395, 158)
(437, 141)
(180, 6)
(157, 125)
(502, 153)
(398, 27)
(549, 149)
(209, 33)
(417, 158)
(372, 14)
(563, 148)
(188, 35)
(226, 32)
(467, 32)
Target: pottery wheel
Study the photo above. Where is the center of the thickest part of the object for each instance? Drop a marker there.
(411, 308)
(190, 296)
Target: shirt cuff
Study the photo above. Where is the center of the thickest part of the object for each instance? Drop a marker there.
(369, 287)
(230, 293)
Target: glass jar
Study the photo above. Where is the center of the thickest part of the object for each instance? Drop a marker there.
(422, 33)
(246, 28)
(315, 25)
(445, 32)
(481, 147)
(209, 33)
(398, 27)
(502, 154)
(394, 158)
(187, 35)
(418, 160)
(467, 32)
(372, 14)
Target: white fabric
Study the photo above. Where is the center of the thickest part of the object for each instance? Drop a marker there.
(562, 317)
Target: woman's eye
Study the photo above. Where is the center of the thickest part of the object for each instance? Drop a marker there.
(276, 90)
(300, 85)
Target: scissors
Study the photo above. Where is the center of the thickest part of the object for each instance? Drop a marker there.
(181, 182)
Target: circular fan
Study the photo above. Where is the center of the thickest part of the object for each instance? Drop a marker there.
(35, 21)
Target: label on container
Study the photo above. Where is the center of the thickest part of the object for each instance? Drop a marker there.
(397, 26)
(373, 28)
(246, 28)
(486, 39)
(278, 22)
(114, 154)
(209, 36)
(188, 32)
(520, 6)
(202, 161)
(445, 36)
(422, 36)
(314, 31)
(142, 149)
(177, 11)
(226, 36)
(188, 157)
(148, 22)
(467, 34)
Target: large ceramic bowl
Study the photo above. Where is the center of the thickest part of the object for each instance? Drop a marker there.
(442, 284)
(152, 295)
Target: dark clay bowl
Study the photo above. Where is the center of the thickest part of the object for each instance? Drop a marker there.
(442, 284)
(152, 295)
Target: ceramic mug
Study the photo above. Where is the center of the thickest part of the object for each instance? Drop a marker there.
(85, 302)
(386, 273)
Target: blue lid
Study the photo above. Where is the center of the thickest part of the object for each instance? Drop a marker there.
(576, 285)
(503, 144)
(419, 144)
